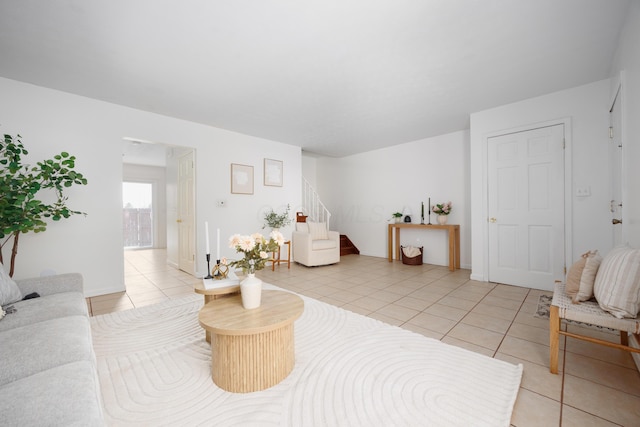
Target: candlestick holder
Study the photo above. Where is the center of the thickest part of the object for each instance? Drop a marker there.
(219, 271)
(208, 276)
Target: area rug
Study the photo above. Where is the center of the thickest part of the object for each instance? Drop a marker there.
(154, 367)
(542, 311)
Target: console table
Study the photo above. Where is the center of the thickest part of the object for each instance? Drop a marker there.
(454, 240)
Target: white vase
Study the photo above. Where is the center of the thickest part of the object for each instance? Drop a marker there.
(251, 291)
(442, 219)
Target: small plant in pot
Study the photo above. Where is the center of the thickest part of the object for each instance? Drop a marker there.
(276, 221)
(397, 216)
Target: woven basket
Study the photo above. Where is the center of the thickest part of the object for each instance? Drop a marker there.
(416, 260)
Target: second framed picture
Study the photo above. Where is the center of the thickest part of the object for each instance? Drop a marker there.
(273, 172)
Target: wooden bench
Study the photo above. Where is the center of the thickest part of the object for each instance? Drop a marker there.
(585, 312)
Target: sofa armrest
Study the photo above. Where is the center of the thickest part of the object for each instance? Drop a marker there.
(334, 235)
(47, 285)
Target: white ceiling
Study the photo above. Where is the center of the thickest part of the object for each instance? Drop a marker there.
(335, 77)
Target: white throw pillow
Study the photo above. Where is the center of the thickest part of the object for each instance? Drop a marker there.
(9, 291)
(318, 230)
(617, 286)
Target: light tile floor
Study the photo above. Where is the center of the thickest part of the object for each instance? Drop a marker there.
(597, 386)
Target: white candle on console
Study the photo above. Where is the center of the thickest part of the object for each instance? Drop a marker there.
(218, 245)
(206, 232)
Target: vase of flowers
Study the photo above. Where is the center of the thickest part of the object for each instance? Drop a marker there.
(255, 250)
(276, 221)
(442, 210)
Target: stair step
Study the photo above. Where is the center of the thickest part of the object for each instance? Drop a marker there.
(347, 247)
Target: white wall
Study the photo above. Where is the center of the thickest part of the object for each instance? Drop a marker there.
(627, 62)
(363, 190)
(309, 171)
(587, 109)
(50, 121)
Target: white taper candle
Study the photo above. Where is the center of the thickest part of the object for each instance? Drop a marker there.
(206, 232)
(218, 245)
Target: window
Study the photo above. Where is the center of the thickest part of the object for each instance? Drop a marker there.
(137, 202)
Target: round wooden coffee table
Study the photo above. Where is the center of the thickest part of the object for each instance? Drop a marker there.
(215, 293)
(251, 350)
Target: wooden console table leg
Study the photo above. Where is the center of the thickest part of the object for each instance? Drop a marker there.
(390, 242)
(457, 247)
(452, 248)
(397, 243)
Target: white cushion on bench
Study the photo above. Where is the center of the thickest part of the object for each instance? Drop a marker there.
(590, 312)
(617, 285)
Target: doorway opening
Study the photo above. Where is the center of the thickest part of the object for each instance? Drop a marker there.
(159, 166)
(137, 214)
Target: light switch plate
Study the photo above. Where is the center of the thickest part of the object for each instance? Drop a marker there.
(584, 191)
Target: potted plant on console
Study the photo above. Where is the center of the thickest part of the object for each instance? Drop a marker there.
(442, 210)
(397, 216)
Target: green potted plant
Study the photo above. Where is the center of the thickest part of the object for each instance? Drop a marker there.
(442, 210)
(276, 221)
(20, 210)
(397, 216)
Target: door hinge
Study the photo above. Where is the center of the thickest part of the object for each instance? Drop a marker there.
(610, 132)
(565, 270)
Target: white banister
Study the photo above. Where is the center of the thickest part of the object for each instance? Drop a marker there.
(312, 206)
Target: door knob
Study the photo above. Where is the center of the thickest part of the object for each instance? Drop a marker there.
(615, 221)
(178, 220)
(492, 219)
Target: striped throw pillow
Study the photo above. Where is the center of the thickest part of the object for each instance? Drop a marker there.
(318, 230)
(617, 285)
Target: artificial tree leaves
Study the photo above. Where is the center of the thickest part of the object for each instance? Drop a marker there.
(20, 184)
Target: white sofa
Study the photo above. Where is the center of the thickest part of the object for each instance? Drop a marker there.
(48, 374)
(314, 245)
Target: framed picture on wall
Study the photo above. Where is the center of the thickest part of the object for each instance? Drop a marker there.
(273, 172)
(241, 179)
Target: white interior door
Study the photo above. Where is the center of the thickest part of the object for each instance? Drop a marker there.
(186, 214)
(616, 168)
(526, 207)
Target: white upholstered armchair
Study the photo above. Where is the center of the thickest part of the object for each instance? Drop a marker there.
(314, 245)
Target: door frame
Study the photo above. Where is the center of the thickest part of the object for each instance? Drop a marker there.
(193, 217)
(568, 198)
(618, 96)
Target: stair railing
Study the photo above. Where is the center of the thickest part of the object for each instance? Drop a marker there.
(312, 206)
